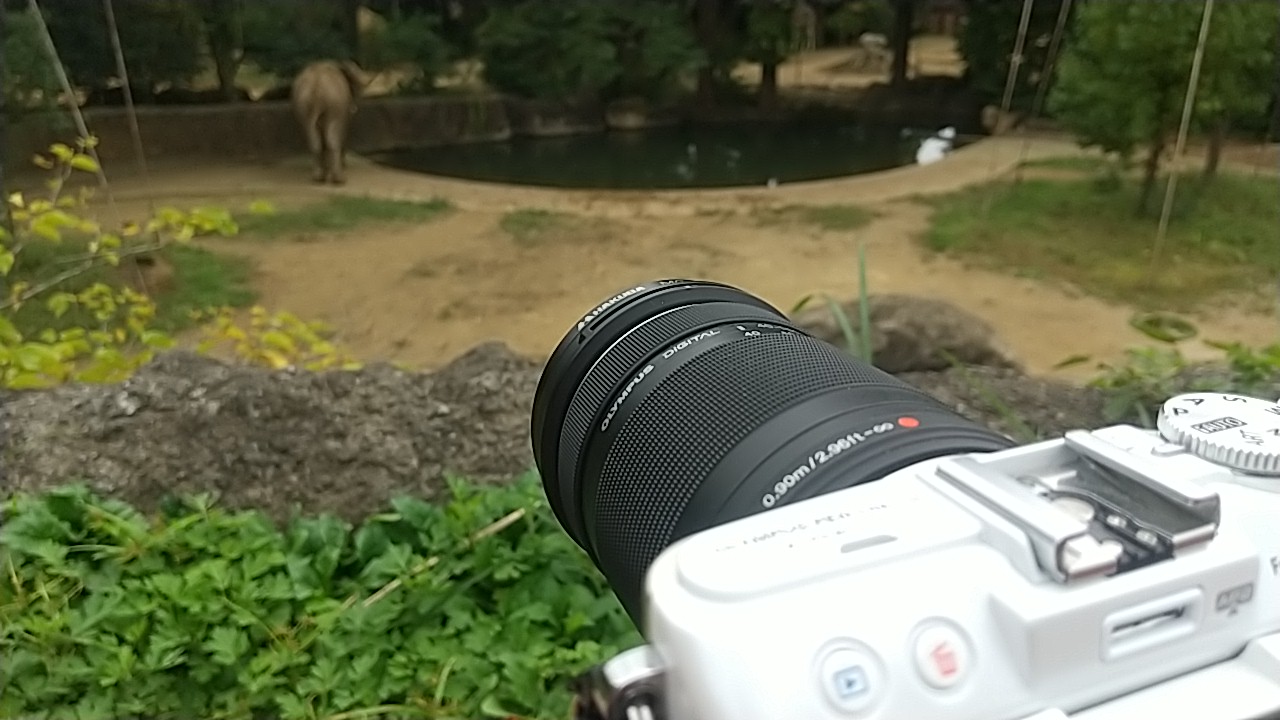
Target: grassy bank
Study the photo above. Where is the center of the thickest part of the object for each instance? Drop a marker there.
(337, 214)
(199, 279)
(477, 608)
(1223, 236)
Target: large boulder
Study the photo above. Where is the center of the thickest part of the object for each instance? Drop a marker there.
(914, 334)
(338, 442)
(346, 443)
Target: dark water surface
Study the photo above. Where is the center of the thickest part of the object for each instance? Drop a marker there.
(667, 158)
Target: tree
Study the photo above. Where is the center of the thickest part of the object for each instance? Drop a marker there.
(904, 14)
(161, 40)
(1123, 75)
(222, 25)
(282, 36)
(987, 43)
(549, 49)
(852, 19)
(1236, 72)
(656, 48)
(768, 41)
(27, 81)
(408, 41)
(716, 38)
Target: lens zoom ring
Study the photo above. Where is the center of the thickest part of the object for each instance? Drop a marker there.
(672, 441)
(611, 373)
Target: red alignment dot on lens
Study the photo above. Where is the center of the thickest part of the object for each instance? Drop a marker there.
(908, 422)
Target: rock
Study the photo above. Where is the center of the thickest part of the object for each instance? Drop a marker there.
(338, 442)
(545, 118)
(911, 334)
(346, 443)
(1005, 400)
(637, 114)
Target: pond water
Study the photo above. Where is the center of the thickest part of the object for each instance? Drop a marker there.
(669, 158)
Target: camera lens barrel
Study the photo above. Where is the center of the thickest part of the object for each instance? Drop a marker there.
(679, 405)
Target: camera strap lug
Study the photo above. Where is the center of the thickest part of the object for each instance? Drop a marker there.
(626, 687)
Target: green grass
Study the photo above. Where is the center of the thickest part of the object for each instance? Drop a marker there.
(1222, 237)
(203, 279)
(832, 218)
(339, 213)
(527, 226)
(1085, 163)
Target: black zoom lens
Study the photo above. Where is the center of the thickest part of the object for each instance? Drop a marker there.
(679, 405)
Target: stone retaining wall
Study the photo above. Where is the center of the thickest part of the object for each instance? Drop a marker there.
(267, 129)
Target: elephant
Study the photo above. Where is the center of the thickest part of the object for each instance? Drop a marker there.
(324, 98)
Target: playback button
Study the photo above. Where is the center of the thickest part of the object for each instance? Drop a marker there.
(851, 679)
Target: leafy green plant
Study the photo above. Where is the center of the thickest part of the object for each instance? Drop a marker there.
(280, 340)
(204, 612)
(1149, 376)
(111, 331)
(67, 316)
(859, 342)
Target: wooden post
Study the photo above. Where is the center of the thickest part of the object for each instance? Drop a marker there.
(6, 218)
(1187, 105)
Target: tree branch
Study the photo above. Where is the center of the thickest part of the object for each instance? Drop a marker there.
(66, 275)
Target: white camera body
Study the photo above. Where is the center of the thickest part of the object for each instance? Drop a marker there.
(1115, 573)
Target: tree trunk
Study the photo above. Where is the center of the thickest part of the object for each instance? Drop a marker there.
(1273, 132)
(220, 21)
(768, 93)
(1150, 168)
(707, 27)
(350, 23)
(903, 20)
(1217, 138)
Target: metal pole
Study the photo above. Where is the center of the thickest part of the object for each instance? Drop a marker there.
(33, 7)
(6, 218)
(140, 156)
(1187, 106)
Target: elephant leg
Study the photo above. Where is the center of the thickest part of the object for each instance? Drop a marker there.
(335, 136)
(315, 143)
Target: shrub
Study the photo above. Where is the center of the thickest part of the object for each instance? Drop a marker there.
(482, 607)
(113, 334)
(95, 330)
(1149, 376)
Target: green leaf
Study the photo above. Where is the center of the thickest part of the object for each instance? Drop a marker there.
(9, 334)
(34, 357)
(85, 163)
(59, 303)
(227, 645)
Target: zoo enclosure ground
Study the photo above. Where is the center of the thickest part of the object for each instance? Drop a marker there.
(423, 293)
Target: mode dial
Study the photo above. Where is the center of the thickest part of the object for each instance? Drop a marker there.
(1236, 431)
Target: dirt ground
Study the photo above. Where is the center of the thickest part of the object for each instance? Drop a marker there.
(424, 294)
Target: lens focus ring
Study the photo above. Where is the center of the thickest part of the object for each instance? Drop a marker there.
(591, 402)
